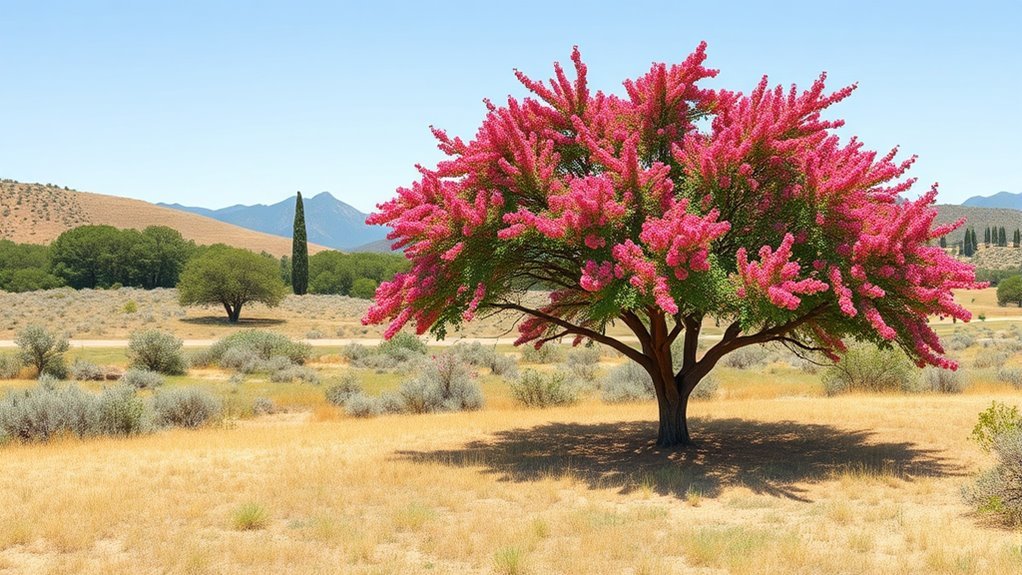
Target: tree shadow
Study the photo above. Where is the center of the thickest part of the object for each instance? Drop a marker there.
(766, 457)
(242, 322)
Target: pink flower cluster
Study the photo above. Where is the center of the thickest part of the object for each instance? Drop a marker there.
(624, 201)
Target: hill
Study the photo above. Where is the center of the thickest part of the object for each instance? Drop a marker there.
(379, 246)
(998, 200)
(328, 221)
(38, 213)
(978, 218)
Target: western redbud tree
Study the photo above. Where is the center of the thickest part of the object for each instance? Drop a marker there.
(664, 209)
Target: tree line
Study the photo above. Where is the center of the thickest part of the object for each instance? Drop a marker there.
(100, 257)
(992, 236)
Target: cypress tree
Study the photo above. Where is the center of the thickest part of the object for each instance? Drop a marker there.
(975, 241)
(943, 242)
(1002, 237)
(1016, 240)
(967, 247)
(986, 237)
(299, 251)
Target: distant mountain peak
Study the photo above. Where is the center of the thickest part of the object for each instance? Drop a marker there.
(999, 200)
(332, 223)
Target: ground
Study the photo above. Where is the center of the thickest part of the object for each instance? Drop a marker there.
(783, 480)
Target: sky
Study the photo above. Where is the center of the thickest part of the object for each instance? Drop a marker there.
(216, 103)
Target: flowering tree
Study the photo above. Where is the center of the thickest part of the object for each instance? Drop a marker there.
(631, 209)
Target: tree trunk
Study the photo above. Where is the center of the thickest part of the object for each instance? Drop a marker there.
(234, 313)
(673, 423)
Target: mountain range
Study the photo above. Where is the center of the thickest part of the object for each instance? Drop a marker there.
(328, 221)
(998, 200)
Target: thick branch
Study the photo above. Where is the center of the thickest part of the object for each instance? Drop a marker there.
(569, 327)
(733, 341)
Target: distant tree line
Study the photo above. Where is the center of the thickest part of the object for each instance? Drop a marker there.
(992, 236)
(101, 257)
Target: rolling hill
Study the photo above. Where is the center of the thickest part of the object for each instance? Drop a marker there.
(978, 218)
(328, 221)
(38, 213)
(998, 200)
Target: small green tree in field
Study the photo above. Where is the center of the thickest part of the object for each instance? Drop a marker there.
(1009, 290)
(42, 350)
(230, 277)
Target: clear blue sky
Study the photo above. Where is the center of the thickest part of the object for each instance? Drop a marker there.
(215, 103)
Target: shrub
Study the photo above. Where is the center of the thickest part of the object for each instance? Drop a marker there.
(993, 421)
(707, 388)
(361, 405)
(1012, 375)
(993, 359)
(250, 517)
(478, 355)
(959, 341)
(262, 344)
(444, 385)
(142, 378)
(314, 334)
(354, 352)
(944, 380)
(42, 350)
(157, 351)
(291, 373)
(402, 342)
(503, 365)
(10, 366)
(85, 370)
(186, 407)
(867, 368)
(583, 362)
(263, 406)
(746, 357)
(534, 389)
(339, 393)
(548, 353)
(47, 410)
(627, 382)
(119, 411)
(241, 359)
(999, 490)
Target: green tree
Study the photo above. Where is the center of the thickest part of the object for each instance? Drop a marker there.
(1016, 239)
(230, 277)
(1009, 290)
(968, 247)
(87, 256)
(1002, 237)
(285, 270)
(299, 251)
(986, 237)
(363, 288)
(42, 350)
(158, 257)
(943, 241)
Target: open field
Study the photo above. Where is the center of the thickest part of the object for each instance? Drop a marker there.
(783, 480)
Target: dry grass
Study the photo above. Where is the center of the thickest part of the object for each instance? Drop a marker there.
(36, 213)
(846, 485)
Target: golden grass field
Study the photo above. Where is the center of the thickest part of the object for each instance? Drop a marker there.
(35, 213)
(783, 480)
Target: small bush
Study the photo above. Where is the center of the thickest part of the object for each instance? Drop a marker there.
(339, 393)
(47, 410)
(548, 353)
(121, 412)
(627, 382)
(295, 372)
(994, 359)
(157, 351)
(263, 406)
(250, 517)
(402, 342)
(867, 368)
(993, 421)
(43, 350)
(242, 359)
(360, 405)
(746, 357)
(186, 407)
(959, 341)
(534, 389)
(142, 378)
(478, 355)
(85, 370)
(1012, 375)
(10, 366)
(999, 490)
(503, 365)
(444, 385)
(944, 380)
(707, 388)
(354, 352)
(314, 334)
(583, 362)
(254, 343)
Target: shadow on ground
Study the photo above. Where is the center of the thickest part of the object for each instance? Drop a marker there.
(767, 457)
(242, 322)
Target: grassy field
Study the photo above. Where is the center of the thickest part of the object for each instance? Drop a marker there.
(783, 480)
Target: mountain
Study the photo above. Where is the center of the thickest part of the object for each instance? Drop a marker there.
(979, 219)
(328, 221)
(998, 200)
(38, 213)
(379, 246)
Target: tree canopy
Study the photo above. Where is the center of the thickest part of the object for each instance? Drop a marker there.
(672, 205)
(230, 277)
(101, 256)
(1009, 290)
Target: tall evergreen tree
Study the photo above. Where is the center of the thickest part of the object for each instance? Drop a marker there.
(1016, 240)
(967, 247)
(299, 251)
(943, 242)
(1002, 237)
(986, 237)
(975, 241)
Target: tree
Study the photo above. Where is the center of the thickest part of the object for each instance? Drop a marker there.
(157, 257)
(943, 241)
(230, 277)
(363, 288)
(1009, 290)
(1016, 239)
(299, 251)
(1002, 237)
(986, 237)
(42, 350)
(88, 256)
(665, 209)
(285, 270)
(969, 247)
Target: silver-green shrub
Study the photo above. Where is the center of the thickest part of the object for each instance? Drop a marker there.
(944, 380)
(157, 351)
(43, 350)
(120, 411)
(627, 382)
(47, 410)
(142, 378)
(867, 368)
(10, 366)
(339, 393)
(186, 407)
(535, 389)
(445, 384)
(85, 370)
